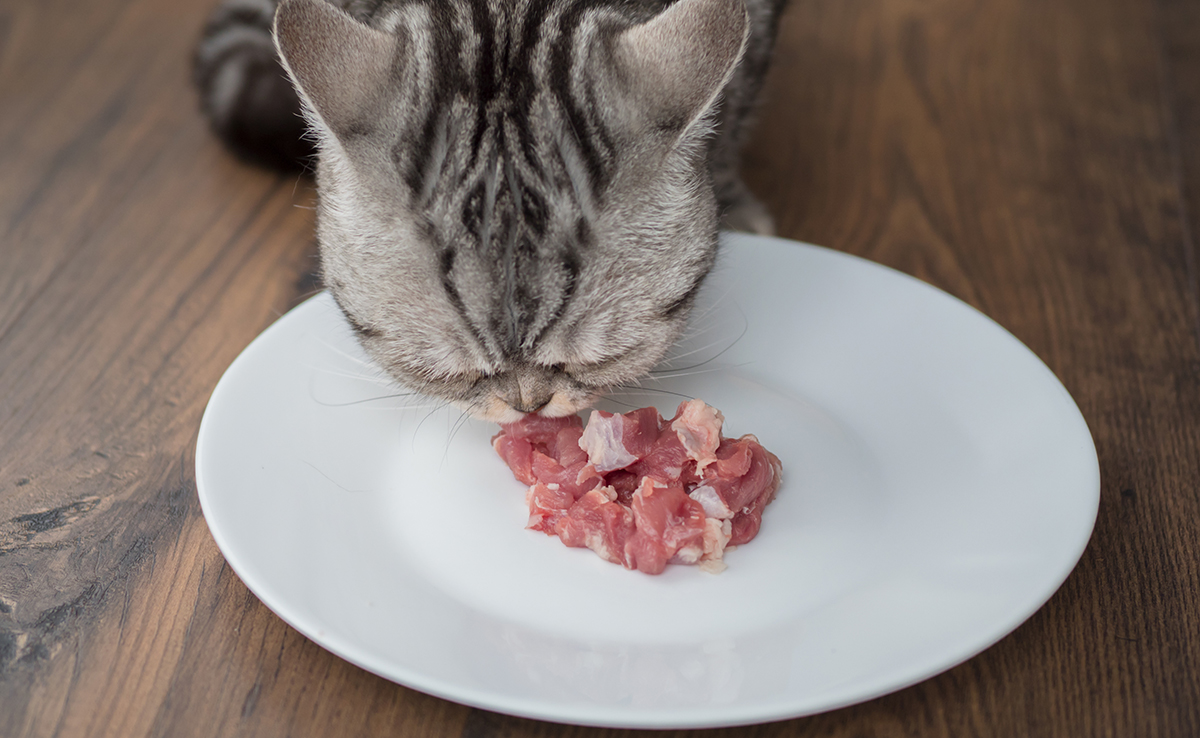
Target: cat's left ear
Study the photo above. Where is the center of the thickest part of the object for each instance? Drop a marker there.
(341, 67)
(675, 65)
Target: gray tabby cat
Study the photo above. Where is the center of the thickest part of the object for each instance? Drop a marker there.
(518, 198)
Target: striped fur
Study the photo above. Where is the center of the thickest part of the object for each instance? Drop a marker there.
(518, 198)
(244, 90)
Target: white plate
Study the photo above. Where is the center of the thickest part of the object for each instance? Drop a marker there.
(939, 485)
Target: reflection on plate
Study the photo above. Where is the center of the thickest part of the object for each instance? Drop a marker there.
(939, 485)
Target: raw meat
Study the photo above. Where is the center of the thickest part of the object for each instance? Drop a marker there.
(641, 491)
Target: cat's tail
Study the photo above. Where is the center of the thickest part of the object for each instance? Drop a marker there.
(244, 90)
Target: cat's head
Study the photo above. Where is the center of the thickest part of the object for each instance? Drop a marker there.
(515, 211)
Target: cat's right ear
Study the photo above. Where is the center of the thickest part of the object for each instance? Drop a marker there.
(341, 67)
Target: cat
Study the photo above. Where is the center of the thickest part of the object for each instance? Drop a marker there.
(518, 199)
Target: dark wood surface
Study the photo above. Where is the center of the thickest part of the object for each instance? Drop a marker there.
(1038, 159)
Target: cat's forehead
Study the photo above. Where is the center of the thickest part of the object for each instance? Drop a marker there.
(511, 246)
(510, 101)
(511, 176)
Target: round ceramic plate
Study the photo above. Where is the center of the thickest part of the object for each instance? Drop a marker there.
(939, 485)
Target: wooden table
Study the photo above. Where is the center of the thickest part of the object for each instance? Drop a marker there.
(1040, 159)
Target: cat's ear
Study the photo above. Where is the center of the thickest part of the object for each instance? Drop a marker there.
(341, 67)
(675, 64)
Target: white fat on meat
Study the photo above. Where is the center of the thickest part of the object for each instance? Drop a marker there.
(716, 537)
(602, 441)
(687, 555)
(699, 430)
(714, 506)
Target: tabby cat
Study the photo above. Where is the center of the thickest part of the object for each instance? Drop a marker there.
(518, 199)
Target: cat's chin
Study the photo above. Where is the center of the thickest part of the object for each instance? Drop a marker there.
(498, 411)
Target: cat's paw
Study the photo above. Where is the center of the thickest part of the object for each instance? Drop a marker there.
(748, 215)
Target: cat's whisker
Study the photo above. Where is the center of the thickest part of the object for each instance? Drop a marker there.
(334, 481)
(356, 359)
(310, 293)
(364, 400)
(312, 389)
(296, 183)
(618, 402)
(418, 401)
(362, 377)
(411, 408)
(711, 308)
(463, 418)
(683, 372)
(638, 390)
(699, 349)
(438, 405)
(703, 322)
(745, 329)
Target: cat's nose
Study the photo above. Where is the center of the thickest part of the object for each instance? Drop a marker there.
(532, 405)
(528, 397)
(528, 391)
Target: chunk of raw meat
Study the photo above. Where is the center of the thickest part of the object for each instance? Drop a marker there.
(666, 461)
(541, 431)
(571, 479)
(547, 504)
(699, 429)
(670, 527)
(615, 441)
(518, 454)
(641, 491)
(598, 523)
(743, 478)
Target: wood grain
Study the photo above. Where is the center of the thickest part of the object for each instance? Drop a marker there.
(1039, 160)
